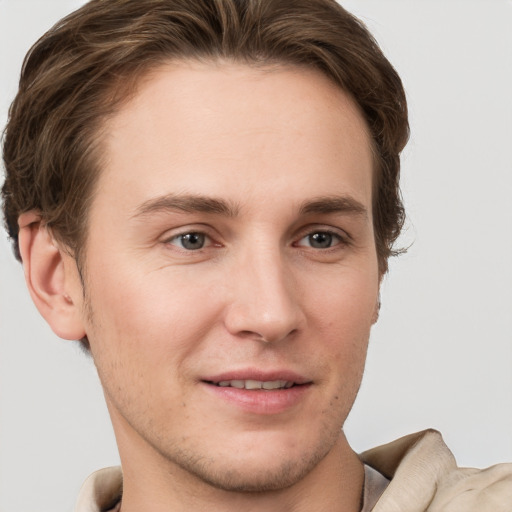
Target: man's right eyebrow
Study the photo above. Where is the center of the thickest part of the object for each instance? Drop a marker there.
(188, 203)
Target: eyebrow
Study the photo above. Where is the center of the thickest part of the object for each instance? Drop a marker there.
(334, 204)
(188, 203)
(191, 203)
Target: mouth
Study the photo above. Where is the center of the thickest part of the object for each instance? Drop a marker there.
(260, 392)
(255, 385)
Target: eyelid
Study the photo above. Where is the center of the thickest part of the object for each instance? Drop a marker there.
(178, 237)
(343, 237)
(170, 235)
(200, 229)
(336, 239)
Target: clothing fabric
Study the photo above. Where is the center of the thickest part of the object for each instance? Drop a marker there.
(425, 478)
(422, 473)
(375, 484)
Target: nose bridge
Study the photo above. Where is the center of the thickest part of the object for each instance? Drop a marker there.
(263, 299)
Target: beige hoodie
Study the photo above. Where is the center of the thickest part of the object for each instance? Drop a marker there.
(425, 478)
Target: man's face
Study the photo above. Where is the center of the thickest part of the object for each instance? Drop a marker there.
(230, 247)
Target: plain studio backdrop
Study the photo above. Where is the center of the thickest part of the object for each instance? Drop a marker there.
(441, 353)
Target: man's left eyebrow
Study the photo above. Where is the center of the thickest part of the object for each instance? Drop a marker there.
(334, 204)
(189, 203)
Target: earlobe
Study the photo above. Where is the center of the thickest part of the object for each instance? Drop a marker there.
(49, 283)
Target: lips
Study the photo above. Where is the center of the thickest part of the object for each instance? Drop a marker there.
(256, 379)
(259, 392)
(256, 384)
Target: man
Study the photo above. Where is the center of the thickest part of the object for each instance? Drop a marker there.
(206, 195)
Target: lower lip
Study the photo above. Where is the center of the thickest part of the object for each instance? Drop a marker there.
(261, 401)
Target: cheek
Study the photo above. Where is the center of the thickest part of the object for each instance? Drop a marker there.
(137, 302)
(346, 304)
(142, 321)
(141, 333)
(343, 316)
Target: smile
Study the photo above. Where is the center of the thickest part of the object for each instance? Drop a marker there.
(255, 384)
(259, 392)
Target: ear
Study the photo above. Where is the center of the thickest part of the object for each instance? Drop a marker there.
(52, 278)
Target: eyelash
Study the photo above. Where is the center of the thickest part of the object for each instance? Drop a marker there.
(181, 236)
(341, 240)
(334, 236)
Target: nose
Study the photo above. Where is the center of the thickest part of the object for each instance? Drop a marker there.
(263, 302)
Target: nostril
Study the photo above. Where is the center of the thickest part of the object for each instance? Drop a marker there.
(268, 336)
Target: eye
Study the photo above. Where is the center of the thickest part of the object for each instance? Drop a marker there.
(190, 241)
(320, 240)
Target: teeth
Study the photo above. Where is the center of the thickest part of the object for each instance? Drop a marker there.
(256, 384)
(253, 384)
(274, 384)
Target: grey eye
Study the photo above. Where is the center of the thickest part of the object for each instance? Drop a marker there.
(321, 240)
(190, 241)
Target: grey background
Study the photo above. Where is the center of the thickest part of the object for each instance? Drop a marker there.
(441, 353)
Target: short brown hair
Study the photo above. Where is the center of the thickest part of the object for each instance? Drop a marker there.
(81, 70)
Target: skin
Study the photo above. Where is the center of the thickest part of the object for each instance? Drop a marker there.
(271, 170)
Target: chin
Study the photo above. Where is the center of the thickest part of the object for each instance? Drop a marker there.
(259, 469)
(256, 479)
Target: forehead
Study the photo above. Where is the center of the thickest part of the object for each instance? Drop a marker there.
(198, 127)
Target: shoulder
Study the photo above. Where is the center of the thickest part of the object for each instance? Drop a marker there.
(475, 490)
(425, 477)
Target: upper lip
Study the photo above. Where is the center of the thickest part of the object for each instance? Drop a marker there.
(258, 375)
